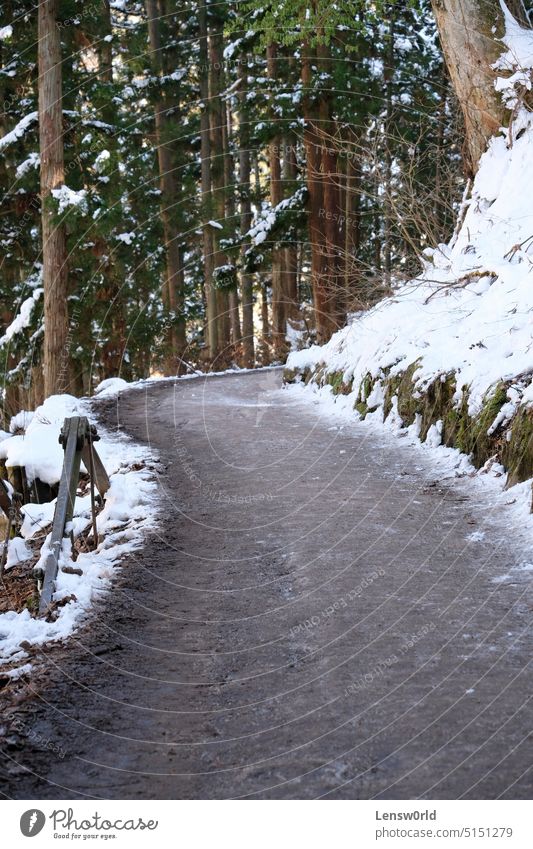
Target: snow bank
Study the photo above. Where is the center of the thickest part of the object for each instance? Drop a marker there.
(129, 511)
(470, 313)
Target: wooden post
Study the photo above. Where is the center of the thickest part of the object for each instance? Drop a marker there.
(73, 437)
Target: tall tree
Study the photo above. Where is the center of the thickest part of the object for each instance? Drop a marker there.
(55, 274)
(246, 220)
(206, 194)
(219, 189)
(279, 318)
(170, 196)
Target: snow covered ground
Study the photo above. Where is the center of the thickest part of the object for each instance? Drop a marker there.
(130, 510)
(469, 315)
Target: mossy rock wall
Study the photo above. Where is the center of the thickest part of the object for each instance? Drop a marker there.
(511, 445)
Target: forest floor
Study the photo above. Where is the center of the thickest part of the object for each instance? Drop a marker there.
(316, 616)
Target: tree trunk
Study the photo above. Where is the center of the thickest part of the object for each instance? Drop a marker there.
(229, 177)
(111, 291)
(173, 287)
(290, 283)
(246, 223)
(279, 317)
(440, 194)
(207, 230)
(217, 114)
(55, 274)
(325, 325)
(105, 50)
(265, 328)
(388, 209)
(333, 211)
(469, 31)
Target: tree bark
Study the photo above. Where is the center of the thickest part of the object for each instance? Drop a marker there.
(229, 177)
(313, 142)
(279, 313)
(469, 31)
(290, 282)
(207, 230)
(217, 113)
(173, 286)
(246, 223)
(388, 210)
(104, 49)
(55, 273)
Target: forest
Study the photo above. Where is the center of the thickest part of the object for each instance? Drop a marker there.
(211, 183)
(275, 259)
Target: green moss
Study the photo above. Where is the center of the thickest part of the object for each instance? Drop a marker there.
(483, 446)
(435, 403)
(365, 388)
(517, 453)
(335, 379)
(402, 386)
(391, 385)
(457, 429)
(408, 404)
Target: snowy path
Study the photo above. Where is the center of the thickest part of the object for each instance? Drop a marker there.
(317, 617)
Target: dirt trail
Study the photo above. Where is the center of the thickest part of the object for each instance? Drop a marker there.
(315, 617)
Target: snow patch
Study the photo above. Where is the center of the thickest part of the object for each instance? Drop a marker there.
(129, 512)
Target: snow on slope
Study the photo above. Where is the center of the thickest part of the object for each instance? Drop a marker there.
(471, 310)
(129, 511)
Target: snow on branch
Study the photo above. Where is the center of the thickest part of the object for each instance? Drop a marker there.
(23, 318)
(18, 131)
